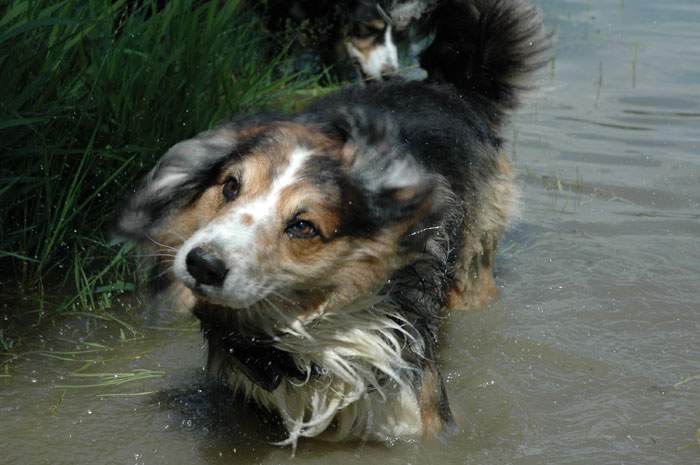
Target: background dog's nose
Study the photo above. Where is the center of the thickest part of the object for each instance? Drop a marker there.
(205, 267)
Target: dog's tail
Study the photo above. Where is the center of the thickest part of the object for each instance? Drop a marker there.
(487, 48)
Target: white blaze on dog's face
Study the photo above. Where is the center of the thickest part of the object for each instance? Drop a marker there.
(292, 214)
(372, 47)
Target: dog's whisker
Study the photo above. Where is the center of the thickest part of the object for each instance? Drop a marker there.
(153, 255)
(432, 228)
(286, 299)
(178, 235)
(162, 273)
(158, 243)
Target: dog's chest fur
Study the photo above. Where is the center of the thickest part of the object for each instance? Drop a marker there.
(357, 377)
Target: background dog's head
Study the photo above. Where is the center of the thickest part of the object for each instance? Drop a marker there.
(268, 209)
(370, 41)
(340, 32)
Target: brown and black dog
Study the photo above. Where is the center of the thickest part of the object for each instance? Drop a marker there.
(321, 248)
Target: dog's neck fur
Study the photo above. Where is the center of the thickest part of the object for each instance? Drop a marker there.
(350, 372)
(355, 369)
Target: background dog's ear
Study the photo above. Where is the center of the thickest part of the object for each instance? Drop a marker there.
(172, 183)
(392, 182)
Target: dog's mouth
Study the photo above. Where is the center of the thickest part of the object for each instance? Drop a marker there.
(220, 297)
(300, 305)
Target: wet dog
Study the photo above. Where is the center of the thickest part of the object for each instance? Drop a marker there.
(322, 248)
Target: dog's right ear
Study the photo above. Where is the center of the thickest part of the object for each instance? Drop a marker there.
(181, 175)
(171, 184)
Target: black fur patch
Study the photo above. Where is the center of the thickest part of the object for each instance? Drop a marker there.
(254, 355)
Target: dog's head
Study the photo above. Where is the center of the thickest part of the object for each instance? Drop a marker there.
(270, 209)
(370, 41)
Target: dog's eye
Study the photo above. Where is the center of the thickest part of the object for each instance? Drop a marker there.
(231, 188)
(301, 229)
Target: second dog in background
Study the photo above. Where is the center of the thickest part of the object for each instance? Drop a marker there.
(362, 38)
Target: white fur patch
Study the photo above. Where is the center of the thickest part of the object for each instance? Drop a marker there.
(403, 172)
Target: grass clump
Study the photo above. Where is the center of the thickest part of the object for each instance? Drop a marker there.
(91, 93)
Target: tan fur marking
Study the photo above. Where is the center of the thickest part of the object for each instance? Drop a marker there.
(377, 24)
(368, 263)
(246, 219)
(252, 131)
(187, 221)
(364, 45)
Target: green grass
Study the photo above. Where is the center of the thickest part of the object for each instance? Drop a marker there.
(90, 96)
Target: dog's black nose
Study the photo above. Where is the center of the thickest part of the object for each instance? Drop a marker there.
(205, 267)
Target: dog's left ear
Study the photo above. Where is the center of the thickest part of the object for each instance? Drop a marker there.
(391, 181)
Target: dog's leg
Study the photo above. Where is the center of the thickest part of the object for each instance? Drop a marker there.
(436, 417)
(474, 285)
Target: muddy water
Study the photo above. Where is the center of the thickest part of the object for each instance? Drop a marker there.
(588, 357)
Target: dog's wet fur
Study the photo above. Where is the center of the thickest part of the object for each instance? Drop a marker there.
(321, 249)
